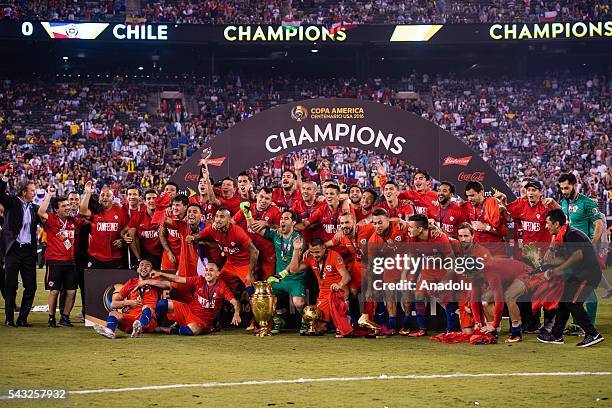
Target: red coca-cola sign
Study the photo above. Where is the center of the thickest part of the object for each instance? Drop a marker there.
(192, 176)
(476, 176)
(461, 161)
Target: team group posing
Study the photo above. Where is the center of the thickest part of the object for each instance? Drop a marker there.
(205, 249)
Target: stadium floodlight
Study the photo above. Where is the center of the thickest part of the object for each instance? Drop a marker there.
(65, 58)
(140, 68)
(314, 50)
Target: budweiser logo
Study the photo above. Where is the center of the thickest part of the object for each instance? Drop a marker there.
(476, 176)
(461, 161)
(216, 162)
(192, 176)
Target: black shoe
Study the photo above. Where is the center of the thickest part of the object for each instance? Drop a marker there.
(51, 322)
(9, 323)
(574, 330)
(23, 323)
(590, 340)
(65, 321)
(550, 338)
(531, 329)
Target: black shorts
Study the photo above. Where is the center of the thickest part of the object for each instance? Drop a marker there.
(98, 264)
(61, 277)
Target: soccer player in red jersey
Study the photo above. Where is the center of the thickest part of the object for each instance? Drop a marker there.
(226, 196)
(355, 193)
(306, 207)
(203, 200)
(255, 219)
(291, 186)
(504, 281)
(134, 304)
(354, 237)
(363, 212)
(390, 232)
(421, 197)
(134, 206)
(245, 188)
(447, 215)
(425, 243)
(107, 227)
(332, 276)
(145, 234)
(397, 210)
(235, 246)
(531, 211)
(327, 215)
(199, 315)
(485, 215)
(59, 256)
(170, 238)
(529, 215)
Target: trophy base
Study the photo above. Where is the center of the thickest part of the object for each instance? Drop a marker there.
(264, 331)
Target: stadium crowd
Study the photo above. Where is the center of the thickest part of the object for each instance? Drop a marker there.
(311, 12)
(66, 133)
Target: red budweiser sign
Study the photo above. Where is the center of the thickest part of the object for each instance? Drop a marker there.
(461, 161)
(216, 162)
(476, 176)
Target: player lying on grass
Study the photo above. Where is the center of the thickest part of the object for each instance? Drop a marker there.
(135, 304)
(199, 315)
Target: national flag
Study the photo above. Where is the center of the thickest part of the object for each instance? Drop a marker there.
(74, 31)
(342, 25)
(547, 16)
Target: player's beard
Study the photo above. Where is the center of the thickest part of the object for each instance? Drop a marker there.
(570, 195)
(444, 201)
(467, 245)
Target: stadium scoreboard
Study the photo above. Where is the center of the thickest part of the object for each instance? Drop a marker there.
(337, 34)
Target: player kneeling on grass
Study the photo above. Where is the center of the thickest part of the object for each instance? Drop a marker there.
(504, 280)
(136, 303)
(199, 315)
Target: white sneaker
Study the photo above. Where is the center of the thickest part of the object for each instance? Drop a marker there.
(104, 331)
(136, 329)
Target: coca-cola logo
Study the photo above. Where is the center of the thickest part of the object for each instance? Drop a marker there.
(461, 161)
(476, 176)
(192, 176)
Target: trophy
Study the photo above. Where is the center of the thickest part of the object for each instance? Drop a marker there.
(311, 316)
(263, 304)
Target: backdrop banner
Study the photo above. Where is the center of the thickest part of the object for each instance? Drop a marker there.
(374, 127)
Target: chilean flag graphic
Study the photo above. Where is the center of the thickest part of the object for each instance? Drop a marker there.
(74, 31)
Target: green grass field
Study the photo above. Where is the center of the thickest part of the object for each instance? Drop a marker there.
(78, 359)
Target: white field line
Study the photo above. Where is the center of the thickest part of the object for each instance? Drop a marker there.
(337, 379)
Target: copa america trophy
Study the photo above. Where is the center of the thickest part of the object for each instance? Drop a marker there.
(311, 316)
(263, 304)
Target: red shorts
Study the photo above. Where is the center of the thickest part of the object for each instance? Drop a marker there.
(323, 304)
(266, 266)
(354, 269)
(429, 275)
(465, 319)
(232, 275)
(183, 315)
(128, 319)
(166, 265)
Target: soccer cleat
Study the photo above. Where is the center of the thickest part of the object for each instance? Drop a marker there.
(531, 329)
(550, 338)
(404, 332)
(251, 326)
(136, 329)
(23, 323)
(104, 331)
(65, 321)
(51, 322)
(163, 330)
(418, 333)
(278, 324)
(514, 338)
(590, 340)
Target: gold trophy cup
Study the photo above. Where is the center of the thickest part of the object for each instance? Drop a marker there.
(263, 303)
(311, 316)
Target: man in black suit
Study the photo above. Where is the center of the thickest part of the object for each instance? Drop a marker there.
(19, 242)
